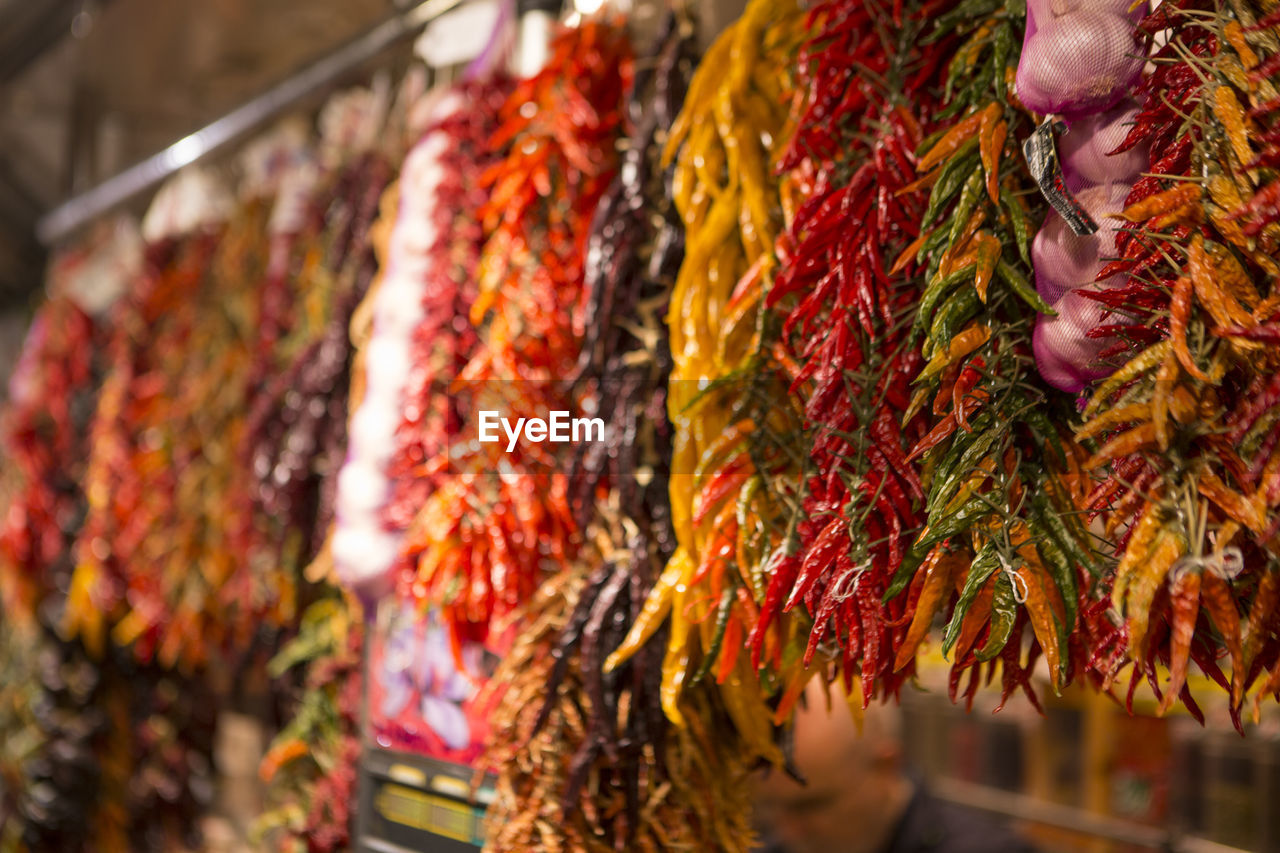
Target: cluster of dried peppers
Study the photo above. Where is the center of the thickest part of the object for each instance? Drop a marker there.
(1184, 432)
(845, 329)
(101, 753)
(588, 760)
(898, 317)
(310, 767)
(156, 559)
(731, 458)
(294, 445)
(855, 443)
(484, 538)
(444, 340)
(999, 474)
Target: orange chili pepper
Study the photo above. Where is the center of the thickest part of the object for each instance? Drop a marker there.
(1216, 597)
(959, 134)
(1123, 444)
(975, 619)
(909, 254)
(1161, 202)
(1234, 34)
(1168, 549)
(1160, 400)
(1234, 504)
(1140, 542)
(987, 256)
(279, 755)
(1179, 314)
(961, 345)
(1224, 310)
(1184, 601)
(991, 137)
(1114, 418)
(939, 570)
(1229, 112)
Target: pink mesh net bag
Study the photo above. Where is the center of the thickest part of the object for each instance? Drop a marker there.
(1083, 149)
(1080, 60)
(1078, 56)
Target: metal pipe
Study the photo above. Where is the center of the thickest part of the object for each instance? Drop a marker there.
(80, 210)
(1023, 807)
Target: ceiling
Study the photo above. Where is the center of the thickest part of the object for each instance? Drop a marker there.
(88, 87)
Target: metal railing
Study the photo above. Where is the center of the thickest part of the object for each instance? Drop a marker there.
(1021, 807)
(82, 209)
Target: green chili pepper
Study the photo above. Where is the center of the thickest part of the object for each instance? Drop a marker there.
(970, 194)
(1059, 566)
(1003, 47)
(1004, 612)
(960, 460)
(936, 290)
(957, 522)
(745, 497)
(954, 174)
(1023, 288)
(954, 313)
(1051, 519)
(967, 11)
(723, 611)
(1036, 418)
(1018, 222)
(933, 249)
(984, 565)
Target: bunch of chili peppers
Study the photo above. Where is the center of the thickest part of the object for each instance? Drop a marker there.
(93, 741)
(295, 443)
(487, 534)
(579, 746)
(45, 425)
(1184, 433)
(845, 330)
(311, 765)
(444, 340)
(296, 433)
(53, 390)
(1000, 540)
(154, 553)
(731, 457)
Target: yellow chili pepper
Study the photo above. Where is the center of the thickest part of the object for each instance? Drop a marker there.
(656, 607)
(1229, 112)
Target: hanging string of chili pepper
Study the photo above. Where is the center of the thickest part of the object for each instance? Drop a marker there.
(733, 462)
(443, 340)
(577, 746)
(1181, 432)
(53, 390)
(996, 471)
(136, 553)
(311, 766)
(484, 538)
(853, 153)
(78, 771)
(52, 393)
(296, 434)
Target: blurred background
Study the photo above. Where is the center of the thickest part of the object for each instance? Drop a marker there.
(89, 87)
